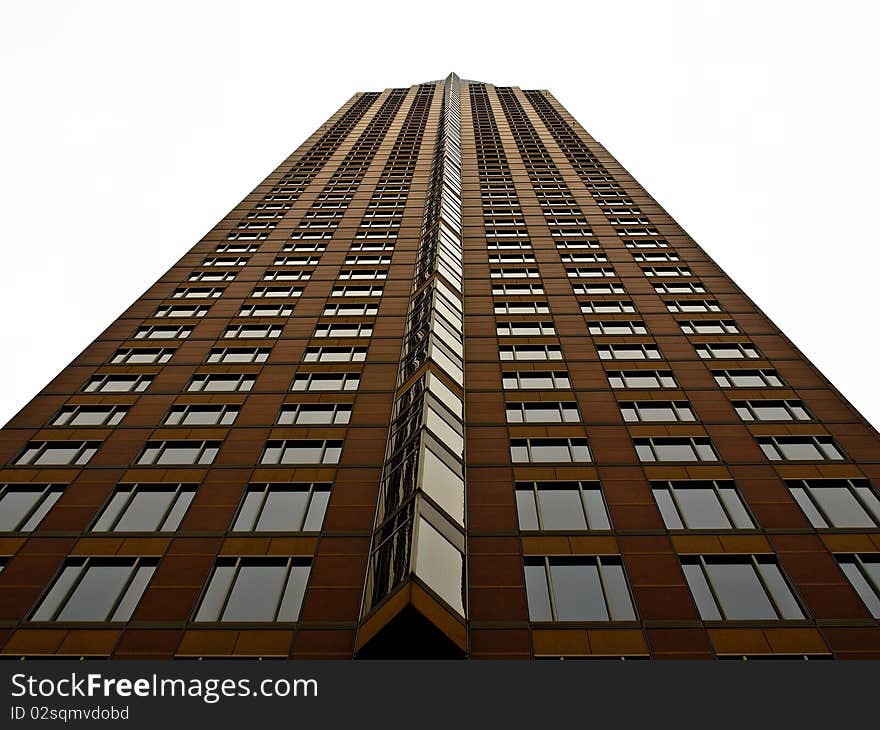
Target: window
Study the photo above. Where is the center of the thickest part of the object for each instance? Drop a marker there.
(96, 589)
(583, 258)
(709, 327)
(740, 588)
(57, 453)
(656, 410)
(277, 292)
(598, 289)
(701, 505)
(253, 330)
(211, 276)
(225, 261)
(685, 287)
(145, 508)
(578, 589)
(180, 311)
(641, 379)
(118, 383)
(511, 258)
(845, 503)
(543, 412)
(304, 247)
(748, 378)
(179, 452)
(772, 410)
(524, 329)
(90, 415)
(344, 330)
(363, 274)
(681, 306)
(238, 247)
(265, 310)
(584, 272)
(647, 243)
(142, 356)
(283, 508)
(522, 308)
(727, 351)
(800, 448)
(299, 414)
(662, 448)
(356, 291)
(198, 293)
(539, 450)
(507, 273)
(652, 271)
(561, 506)
(530, 352)
(617, 327)
(863, 572)
(23, 506)
(275, 275)
(302, 452)
(221, 383)
(239, 354)
(326, 381)
(535, 380)
(607, 307)
(164, 332)
(197, 415)
(628, 352)
(296, 261)
(511, 290)
(575, 245)
(350, 310)
(659, 256)
(255, 589)
(335, 354)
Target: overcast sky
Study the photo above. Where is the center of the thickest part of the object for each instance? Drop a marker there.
(127, 129)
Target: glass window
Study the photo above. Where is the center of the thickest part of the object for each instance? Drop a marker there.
(800, 448)
(772, 410)
(282, 508)
(145, 508)
(701, 505)
(675, 449)
(845, 503)
(747, 378)
(118, 383)
(651, 411)
(96, 589)
(535, 380)
(326, 381)
(201, 415)
(142, 356)
(863, 572)
(590, 588)
(543, 412)
(628, 352)
(561, 506)
(239, 354)
(302, 452)
(314, 413)
(549, 450)
(221, 383)
(641, 379)
(179, 452)
(255, 590)
(23, 506)
(90, 415)
(740, 588)
(57, 453)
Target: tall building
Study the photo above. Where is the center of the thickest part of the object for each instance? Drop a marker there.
(448, 383)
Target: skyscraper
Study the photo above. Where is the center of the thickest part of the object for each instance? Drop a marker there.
(448, 383)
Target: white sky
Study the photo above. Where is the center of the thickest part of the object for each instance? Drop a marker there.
(128, 129)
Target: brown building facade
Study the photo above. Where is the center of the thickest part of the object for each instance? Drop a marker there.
(448, 383)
